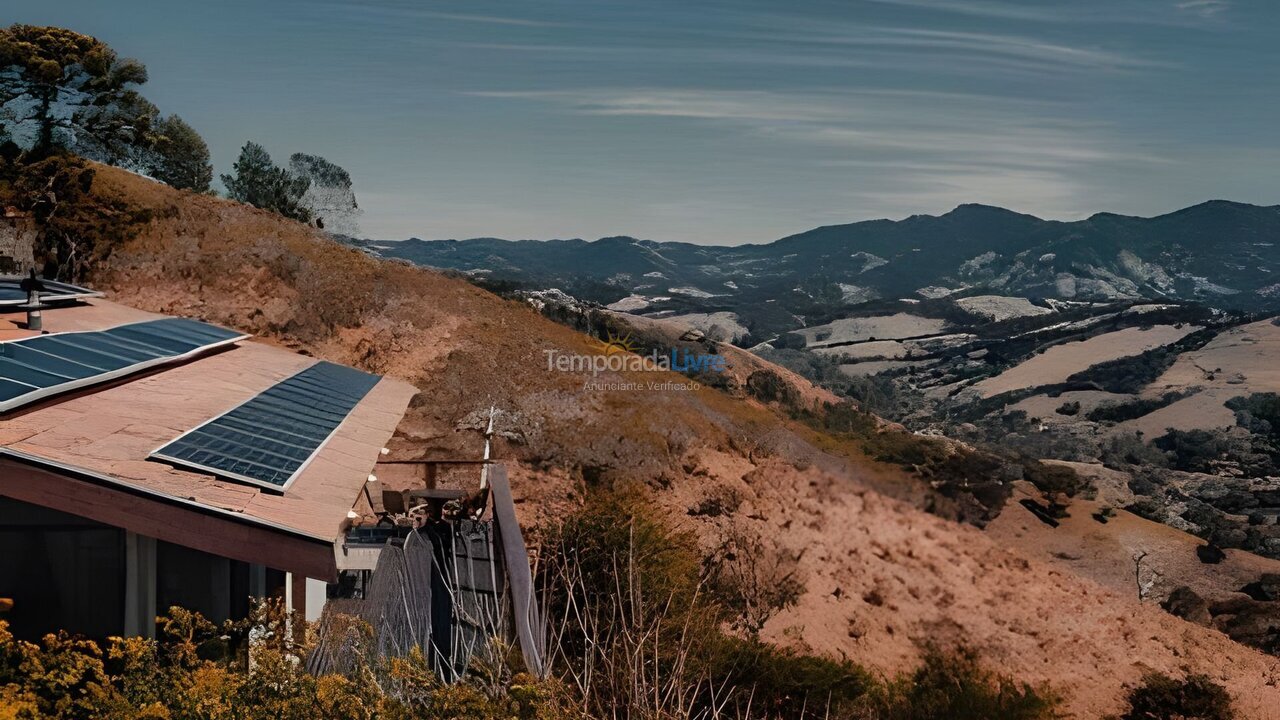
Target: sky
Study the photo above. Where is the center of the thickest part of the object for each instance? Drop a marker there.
(720, 122)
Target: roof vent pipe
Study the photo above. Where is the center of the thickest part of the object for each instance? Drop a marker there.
(33, 287)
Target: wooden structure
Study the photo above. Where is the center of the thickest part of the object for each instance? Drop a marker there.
(447, 588)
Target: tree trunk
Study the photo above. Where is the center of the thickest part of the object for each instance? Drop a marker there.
(44, 143)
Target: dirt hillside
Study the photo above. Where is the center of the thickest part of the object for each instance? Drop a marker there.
(878, 576)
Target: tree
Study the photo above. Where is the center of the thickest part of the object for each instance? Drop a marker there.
(63, 89)
(256, 180)
(182, 156)
(329, 198)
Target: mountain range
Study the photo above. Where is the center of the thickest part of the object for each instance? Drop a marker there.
(1219, 253)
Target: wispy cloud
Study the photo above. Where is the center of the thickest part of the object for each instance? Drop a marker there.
(1015, 46)
(924, 148)
(1204, 8)
(1142, 12)
(979, 8)
(487, 19)
(788, 41)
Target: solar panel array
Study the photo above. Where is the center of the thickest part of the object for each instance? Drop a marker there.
(270, 438)
(38, 367)
(11, 292)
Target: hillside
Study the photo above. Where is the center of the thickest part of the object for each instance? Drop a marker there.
(880, 577)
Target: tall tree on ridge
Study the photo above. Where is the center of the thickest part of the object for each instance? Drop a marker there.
(329, 199)
(256, 180)
(63, 89)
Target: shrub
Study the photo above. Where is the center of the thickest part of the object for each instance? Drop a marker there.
(1194, 697)
(77, 229)
(956, 687)
(754, 580)
(1053, 480)
(1119, 412)
(768, 386)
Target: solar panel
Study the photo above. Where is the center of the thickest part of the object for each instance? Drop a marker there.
(54, 293)
(38, 367)
(270, 438)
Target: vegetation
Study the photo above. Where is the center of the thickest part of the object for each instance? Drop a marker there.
(66, 91)
(1195, 697)
(182, 156)
(329, 199)
(186, 673)
(955, 687)
(753, 580)
(633, 633)
(77, 229)
(256, 180)
(1131, 374)
(1258, 413)
(1120, 412)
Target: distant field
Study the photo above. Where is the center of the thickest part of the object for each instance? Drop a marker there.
(888, 327)
(875, 367)
(1204, 410)
(1046, 408)
(877, 349)
(1242, 358)
(997, 307)
(1239, 361)
(1059, 362)
(719, 326)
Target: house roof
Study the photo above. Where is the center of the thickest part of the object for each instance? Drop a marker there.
(107, 432)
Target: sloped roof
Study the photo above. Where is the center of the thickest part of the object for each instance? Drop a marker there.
(110, 430)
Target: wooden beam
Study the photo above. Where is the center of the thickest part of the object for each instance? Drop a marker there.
(515, 558)
(168, 521)
(298, 603)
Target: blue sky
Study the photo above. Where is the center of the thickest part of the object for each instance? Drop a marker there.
(721, 122)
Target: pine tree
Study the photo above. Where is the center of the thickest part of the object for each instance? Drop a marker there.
(256, 180)
(65, 89)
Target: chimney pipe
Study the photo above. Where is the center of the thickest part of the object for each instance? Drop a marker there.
(33, 287)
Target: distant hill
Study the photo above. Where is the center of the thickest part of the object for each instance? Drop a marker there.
(1219, 253)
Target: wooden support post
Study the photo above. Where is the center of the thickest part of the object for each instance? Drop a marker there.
(298, 606)
(140, 586)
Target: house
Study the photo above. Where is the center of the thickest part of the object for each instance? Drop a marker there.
(149, 461)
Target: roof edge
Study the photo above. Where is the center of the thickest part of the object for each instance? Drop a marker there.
(103, 479)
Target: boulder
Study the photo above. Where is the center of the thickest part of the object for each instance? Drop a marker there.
(1183, 602)
(1249, 622)
(1265, 588)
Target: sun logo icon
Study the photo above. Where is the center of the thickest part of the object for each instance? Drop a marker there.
(614, 344)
